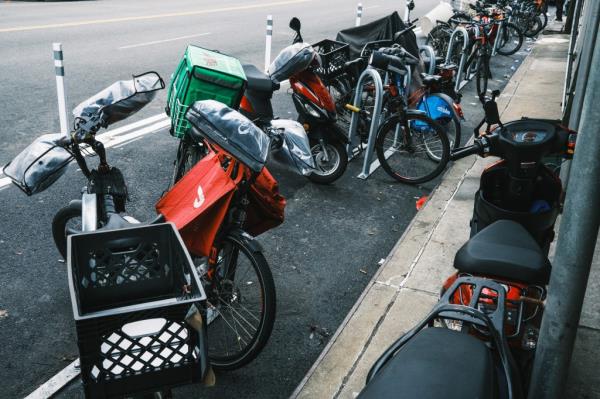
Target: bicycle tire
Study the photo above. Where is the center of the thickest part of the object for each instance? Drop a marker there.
(188, 154)
(439, 39)
(385, 156)
(264, 279)
(509, 31)
(482, 76)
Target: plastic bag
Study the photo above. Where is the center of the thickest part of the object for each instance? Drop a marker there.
(121, 99)
(295, 148)
(231, 131)
(39, 165)
(291, 60)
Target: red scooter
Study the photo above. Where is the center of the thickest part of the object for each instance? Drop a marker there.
(315, 106)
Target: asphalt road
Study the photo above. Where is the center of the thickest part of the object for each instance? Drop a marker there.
(322, 256)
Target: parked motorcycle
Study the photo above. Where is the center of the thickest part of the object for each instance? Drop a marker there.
(223, 201)
(312, 100)
(513, 223)
(436, 362)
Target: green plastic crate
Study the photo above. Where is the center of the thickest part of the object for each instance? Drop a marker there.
(203, 75)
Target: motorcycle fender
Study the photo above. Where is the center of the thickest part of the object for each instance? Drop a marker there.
(241, 236)
(412, 112)
(331, 132)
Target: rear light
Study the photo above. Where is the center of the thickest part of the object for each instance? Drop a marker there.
(571, 144)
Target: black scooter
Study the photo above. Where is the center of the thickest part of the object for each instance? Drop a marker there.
(437, 362)
(520, 186)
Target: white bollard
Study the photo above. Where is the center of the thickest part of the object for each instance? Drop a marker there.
(358, 14)
(268, 42)
(59, 70)
(406, 11)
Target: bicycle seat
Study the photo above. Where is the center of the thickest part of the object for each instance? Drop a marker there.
(504, 249)
(429, 80)
(258, 80)
(421, 369)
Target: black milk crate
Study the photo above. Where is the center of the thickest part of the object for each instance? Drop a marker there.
(132, 290)
(333, 57)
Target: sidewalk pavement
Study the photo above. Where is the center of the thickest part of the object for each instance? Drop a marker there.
(408, 283)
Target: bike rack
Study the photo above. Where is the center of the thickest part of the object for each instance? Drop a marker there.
(367, 168)
(460, 82)
(430, 53)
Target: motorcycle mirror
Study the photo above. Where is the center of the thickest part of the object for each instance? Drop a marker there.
(492, 116)
(411, 5)
(295, 24)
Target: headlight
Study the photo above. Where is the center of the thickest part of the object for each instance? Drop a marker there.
(311, 110)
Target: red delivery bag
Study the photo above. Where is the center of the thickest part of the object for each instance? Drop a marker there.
(198, 203)
(266, 207)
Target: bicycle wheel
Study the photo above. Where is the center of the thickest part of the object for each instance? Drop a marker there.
(439, 38)
(481, 79)
(453, 130)
(240, 304)
(188, 155)
(510, 39)
(412, 150)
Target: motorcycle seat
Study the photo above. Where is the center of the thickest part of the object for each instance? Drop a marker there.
(429, 80)
(258, 80)
(504, 249)
(436, 363)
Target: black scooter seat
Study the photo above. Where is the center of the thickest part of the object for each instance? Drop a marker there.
(258, 80)
(429, 80)
(436, 363)
(504, 249)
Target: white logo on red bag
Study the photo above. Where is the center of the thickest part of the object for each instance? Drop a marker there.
(200, 200)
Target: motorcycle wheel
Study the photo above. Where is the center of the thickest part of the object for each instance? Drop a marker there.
(328, 171)
(67, 221)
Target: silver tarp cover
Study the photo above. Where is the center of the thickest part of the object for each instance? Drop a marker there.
(121, 99)
(295, 149)
(291, 60)
(231, 131)
(39, 165)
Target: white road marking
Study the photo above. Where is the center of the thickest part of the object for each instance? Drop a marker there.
(163, 41)
(149, 17)
(54, 384)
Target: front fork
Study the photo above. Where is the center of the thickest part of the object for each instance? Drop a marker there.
(324, 147)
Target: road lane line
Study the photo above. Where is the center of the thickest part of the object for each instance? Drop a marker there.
(135, 125)
(162, 41)
(53, 385)
(111, 141)
(147, 17)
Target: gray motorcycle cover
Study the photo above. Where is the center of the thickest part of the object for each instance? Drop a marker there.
(231, 131)
(121, 99)
(291, 60)
(39, 165)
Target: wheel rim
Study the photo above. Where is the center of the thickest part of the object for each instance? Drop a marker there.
(414, 155)
(325, 166)
(235, 305)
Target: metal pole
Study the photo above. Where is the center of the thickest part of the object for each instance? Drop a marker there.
(574, 252)
(268, 42)
(358, 14)
(59, 70)
(587, 37)
(406, 11)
